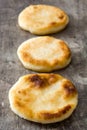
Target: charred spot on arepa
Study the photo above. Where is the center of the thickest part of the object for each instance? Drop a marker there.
(43, 80)
(69, 88)
(37, 80)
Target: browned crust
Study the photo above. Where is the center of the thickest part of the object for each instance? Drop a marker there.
(37, 80)
(42, 81)
(61, 16)
(66, 50)
(54, 115)
(69, 89)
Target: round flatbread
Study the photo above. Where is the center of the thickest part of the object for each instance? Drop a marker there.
(42, 19)
(44, 54)
(43, 98)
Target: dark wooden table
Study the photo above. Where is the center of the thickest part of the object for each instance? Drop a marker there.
(11, 36)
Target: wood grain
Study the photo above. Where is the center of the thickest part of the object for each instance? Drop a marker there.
(11, 36)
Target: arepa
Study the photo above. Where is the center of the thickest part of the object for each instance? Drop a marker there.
(43, 98)
(42, 19)
(44, 54)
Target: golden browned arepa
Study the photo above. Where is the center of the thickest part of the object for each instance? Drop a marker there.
(44, 54)
(42, 19)
(43, 98)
